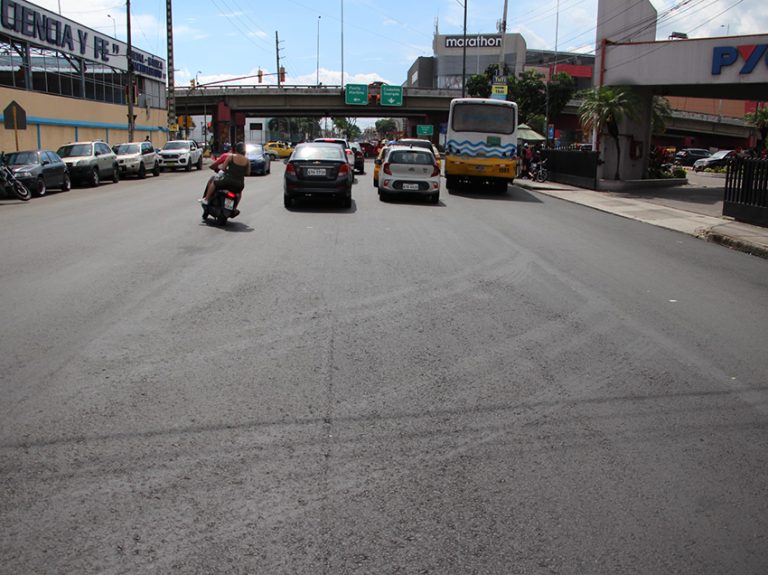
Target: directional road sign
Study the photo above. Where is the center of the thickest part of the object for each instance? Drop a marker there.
(356, 94)
(424, 130)
(391, 95)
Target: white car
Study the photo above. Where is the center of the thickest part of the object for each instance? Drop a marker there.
(409, 170)
(137, 158)
(181, 154)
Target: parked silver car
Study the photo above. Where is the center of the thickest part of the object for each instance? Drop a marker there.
(89, 162)
(137, 158)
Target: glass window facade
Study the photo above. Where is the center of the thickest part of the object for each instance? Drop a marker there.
(41, 69)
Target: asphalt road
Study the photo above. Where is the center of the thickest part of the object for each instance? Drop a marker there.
(497, 384)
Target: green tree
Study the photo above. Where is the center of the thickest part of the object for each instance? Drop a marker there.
(759, 119)
(308, 128)
(562, 87)
(350, 130)
(385, 127)
(479, 86)
(603, 109)
(530, 93)
(528, 90)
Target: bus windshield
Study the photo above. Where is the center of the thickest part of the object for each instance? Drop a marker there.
(470, 117)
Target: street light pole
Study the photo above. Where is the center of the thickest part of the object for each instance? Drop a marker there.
(131, 117)
(114, 25)
(317, 81)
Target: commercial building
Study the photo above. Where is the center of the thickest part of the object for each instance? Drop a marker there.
(70, 83)
(695, 122)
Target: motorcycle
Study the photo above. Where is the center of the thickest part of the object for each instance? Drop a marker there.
(9, 184)
(222, 206)
(538, 171)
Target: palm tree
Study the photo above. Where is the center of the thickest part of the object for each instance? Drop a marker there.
(603, 108)
(759, 119)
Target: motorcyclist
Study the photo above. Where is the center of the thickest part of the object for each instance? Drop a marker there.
(231, 169)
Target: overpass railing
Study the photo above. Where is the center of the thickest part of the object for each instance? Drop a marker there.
(746, 191)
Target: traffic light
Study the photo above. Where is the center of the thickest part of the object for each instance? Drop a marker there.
(260, 74)
(192, 83)
(282, 73)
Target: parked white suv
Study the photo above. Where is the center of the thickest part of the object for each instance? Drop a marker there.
(181, 154)
(137, 158)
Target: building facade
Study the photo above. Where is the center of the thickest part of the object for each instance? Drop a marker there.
(71, 82)
(696, 122)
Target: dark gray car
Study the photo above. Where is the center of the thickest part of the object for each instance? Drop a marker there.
(687, 156)
(39, 170)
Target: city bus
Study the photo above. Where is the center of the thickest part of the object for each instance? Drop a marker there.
(481, 143)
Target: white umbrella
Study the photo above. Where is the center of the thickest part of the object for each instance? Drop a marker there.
(527, 134)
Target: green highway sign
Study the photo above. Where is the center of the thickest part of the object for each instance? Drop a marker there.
(391, 95)
(424, 130)
(356, 94)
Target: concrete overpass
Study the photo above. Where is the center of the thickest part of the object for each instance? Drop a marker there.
(308, 101)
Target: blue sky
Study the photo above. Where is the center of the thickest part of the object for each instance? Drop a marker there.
(219, 39)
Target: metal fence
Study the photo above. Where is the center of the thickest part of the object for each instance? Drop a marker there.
(574, 167)
(746, 191)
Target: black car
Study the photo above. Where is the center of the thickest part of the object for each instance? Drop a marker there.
(687, 156)
(357, 149)
(317, 170)
(39, 170)
(261, 162)
(716, 160)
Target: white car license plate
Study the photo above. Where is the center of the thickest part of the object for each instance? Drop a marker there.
(410, 186)
(315, 171)
(229, 204)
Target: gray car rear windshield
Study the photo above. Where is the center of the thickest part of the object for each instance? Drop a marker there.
(327, 152)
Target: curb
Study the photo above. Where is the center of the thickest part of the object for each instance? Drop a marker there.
(736, 244)
(708, 232)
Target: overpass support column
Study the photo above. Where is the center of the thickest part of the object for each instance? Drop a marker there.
(634, 141)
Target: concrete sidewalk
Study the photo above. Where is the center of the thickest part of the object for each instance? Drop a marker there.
(693, 211)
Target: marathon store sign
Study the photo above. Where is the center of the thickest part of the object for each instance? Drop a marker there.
(31, 23)
(479, 41)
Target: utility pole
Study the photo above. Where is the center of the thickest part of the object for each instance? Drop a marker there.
(277, 56)
(342, 42)
(131, 90)
(464, 55)
(171, 84)
(503, 30)
(552, 76)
